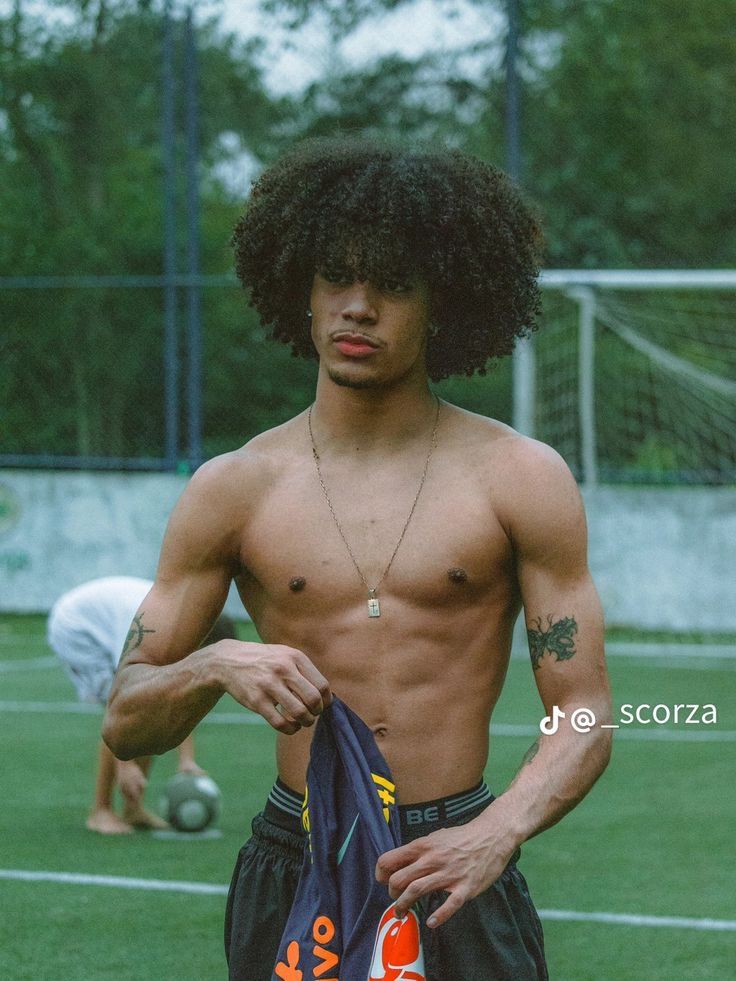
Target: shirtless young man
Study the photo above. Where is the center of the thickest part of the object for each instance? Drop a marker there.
(393, 266)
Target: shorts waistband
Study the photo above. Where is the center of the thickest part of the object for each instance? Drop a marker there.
(284, 809)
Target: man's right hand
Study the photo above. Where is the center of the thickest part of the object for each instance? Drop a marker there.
(278, 682)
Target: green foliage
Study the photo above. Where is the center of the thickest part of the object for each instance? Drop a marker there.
(627, 128)
(627, 116)
(627, 112)
(82, 367)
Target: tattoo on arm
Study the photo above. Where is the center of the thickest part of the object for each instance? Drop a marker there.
(530, 753)
(527, 758)
(135, 635)
(557, 639)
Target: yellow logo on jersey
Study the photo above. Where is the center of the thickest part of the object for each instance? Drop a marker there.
(386, 792)
(307, 821)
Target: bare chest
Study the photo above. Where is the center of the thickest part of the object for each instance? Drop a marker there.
(374, 534)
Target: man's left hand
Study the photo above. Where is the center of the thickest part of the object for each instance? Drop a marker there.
(450, 860)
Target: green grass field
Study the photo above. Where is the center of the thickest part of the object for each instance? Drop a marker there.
(654, 839)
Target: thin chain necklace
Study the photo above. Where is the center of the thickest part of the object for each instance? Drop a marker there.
(374, 607)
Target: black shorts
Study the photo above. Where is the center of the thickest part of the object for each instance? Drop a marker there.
(495, 937)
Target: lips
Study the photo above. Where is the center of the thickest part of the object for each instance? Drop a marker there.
(355, 345)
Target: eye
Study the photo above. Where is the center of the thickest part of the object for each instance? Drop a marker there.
(338, 277)
(396, 286)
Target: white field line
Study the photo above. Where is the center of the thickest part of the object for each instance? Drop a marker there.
(705, 653)
(117, 881)
(29, 664)
(635, 919)
(615, 647)
(62, 708)
(212, 889)
(655, 733)
(726, 651)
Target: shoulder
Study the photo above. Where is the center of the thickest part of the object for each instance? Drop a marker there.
(206, 526)
(222, 496)
(246, 473)
(508, 452)
(528, 482)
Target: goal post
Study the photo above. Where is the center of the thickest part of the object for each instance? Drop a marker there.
(633, 375)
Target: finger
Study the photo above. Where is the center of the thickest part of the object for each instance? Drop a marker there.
(316, 678)
(397, 858)
(275, 719)
(401, 880)
(451, 905)
(414, 891)
(292, 708)
(308, 695)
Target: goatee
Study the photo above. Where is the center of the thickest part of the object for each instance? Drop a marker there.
(357, 383)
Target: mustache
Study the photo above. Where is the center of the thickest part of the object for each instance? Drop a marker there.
(354, 336)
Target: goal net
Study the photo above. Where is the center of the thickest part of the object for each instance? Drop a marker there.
(634, 375)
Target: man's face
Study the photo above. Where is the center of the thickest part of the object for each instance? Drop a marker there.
(369, 335)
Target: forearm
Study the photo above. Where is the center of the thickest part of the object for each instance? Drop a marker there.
(556, 774)
(153, 708)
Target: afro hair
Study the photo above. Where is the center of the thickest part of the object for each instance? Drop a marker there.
(389, 212)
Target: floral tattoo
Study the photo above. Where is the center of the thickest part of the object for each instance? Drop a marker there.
(557, 639)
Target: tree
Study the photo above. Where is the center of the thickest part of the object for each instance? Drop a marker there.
(80, 159)
(629, 118)
(628, 111)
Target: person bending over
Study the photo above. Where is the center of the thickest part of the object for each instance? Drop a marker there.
(89, 628)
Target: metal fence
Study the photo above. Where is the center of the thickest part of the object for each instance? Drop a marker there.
(631, 377)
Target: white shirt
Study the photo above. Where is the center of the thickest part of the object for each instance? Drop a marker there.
(103, 609)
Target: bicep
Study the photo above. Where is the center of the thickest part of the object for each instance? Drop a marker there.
(562, 610)
(175, 618)
(564, 624)
(196, 566)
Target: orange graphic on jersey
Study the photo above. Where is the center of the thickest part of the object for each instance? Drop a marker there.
(323, 931)
(290, 971)
(397, 954)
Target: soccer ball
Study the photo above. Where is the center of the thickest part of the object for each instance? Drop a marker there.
(191, 802)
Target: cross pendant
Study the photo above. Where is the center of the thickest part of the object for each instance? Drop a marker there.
(374, 607)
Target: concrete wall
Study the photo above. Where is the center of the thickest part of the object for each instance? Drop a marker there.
(662, 558)
(59, 529)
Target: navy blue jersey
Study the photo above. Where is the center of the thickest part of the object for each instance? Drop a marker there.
(341, 925)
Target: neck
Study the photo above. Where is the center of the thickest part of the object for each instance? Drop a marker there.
(372, 418)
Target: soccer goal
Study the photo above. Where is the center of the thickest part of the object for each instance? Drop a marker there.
(633, 376)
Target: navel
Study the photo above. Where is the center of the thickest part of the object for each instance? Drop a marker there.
(297, 584)
(457, 575)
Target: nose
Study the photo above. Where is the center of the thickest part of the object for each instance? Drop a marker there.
(359, 303)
